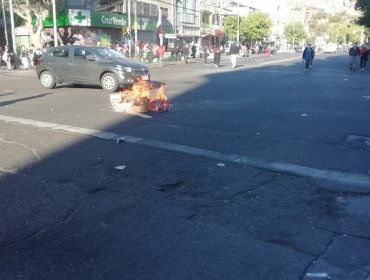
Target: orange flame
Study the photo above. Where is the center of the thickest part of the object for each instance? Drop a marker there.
(160, 93)
(140, 93)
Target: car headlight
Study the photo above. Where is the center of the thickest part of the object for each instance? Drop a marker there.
(123, 69)
(119, 68)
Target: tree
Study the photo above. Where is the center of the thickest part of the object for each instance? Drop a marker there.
(27, 9)
(294, 32)
(364, 6)
(256, 26)
(231, 26)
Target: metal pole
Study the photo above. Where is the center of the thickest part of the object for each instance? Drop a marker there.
(293, 33)
(12, 25)
(175, 18)
(238, 31)
(129, 27)
(5, 27)
(136, 26)
(55, 25)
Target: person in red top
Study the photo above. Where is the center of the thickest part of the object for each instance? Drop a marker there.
(160, 54)
(364, 56)
(216, 55)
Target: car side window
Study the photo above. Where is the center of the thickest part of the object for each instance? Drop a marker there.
(62, 53)
(80, 53)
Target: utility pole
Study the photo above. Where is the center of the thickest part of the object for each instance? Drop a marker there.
(5, 28)
(55, 24)
(136, 25)
(238, 31)
(129, 27)
(12, 25)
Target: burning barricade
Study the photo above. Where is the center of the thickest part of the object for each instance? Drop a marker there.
(141, 98)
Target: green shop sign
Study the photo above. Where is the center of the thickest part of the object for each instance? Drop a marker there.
(108, 20)
(103, 19)
(62, 19)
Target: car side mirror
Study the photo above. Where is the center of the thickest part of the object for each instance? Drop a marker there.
(90, 57)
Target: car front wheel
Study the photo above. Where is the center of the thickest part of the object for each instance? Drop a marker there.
(109, 82)
(47, 79)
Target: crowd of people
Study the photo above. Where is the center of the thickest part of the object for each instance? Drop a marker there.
(26, 59)
(359, 55)
(149, 52)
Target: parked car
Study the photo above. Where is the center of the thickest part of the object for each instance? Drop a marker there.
(91, 65)
(330, 48)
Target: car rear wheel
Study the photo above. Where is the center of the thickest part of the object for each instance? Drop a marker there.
(109, 82)
(47, 80)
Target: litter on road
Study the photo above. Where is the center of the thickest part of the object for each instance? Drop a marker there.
(120, 167)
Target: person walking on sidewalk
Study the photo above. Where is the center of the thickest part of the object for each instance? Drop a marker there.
(160, 54)
(6, 57)
(185, 53)
(234, 51)
(354, 53)
(205, 51)
(216, 55)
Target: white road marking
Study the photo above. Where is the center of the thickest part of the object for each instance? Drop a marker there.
(281, 60)
(353, 179)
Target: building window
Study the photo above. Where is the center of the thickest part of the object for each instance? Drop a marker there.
(76, 4)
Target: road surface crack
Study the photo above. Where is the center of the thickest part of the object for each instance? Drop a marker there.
(318, 256)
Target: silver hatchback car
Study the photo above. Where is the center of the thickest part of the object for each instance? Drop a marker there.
(90, 65)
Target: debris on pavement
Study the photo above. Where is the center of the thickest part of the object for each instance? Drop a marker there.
(120, 167)
(322, 275)
(120, 140)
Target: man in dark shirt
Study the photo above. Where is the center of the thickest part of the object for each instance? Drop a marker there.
(234, 51)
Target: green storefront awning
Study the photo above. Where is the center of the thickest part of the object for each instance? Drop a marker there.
(105, 20)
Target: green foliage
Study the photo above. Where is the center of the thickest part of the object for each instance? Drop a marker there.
(338, 28)
(231, 26)
(294, 32)
(255, 27)
(364, 6)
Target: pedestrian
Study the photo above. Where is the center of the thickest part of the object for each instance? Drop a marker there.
(193, 51)
(205, 53)
(364, 56)
(267, 51)
(216, 55)
(234, 51)
(24, 58)
(6, 57)
(307, 56)
(354, 53)
(185, 53)
(160, 54)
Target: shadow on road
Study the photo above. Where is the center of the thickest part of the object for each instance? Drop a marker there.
(96, 209)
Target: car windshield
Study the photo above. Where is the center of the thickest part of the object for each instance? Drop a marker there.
(109, 53)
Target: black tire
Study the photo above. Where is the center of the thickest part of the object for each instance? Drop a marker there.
(47, 80)
(109, 82)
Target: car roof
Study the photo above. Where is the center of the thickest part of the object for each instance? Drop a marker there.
(79, 46)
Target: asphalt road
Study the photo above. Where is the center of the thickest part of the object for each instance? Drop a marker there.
(258, 172)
